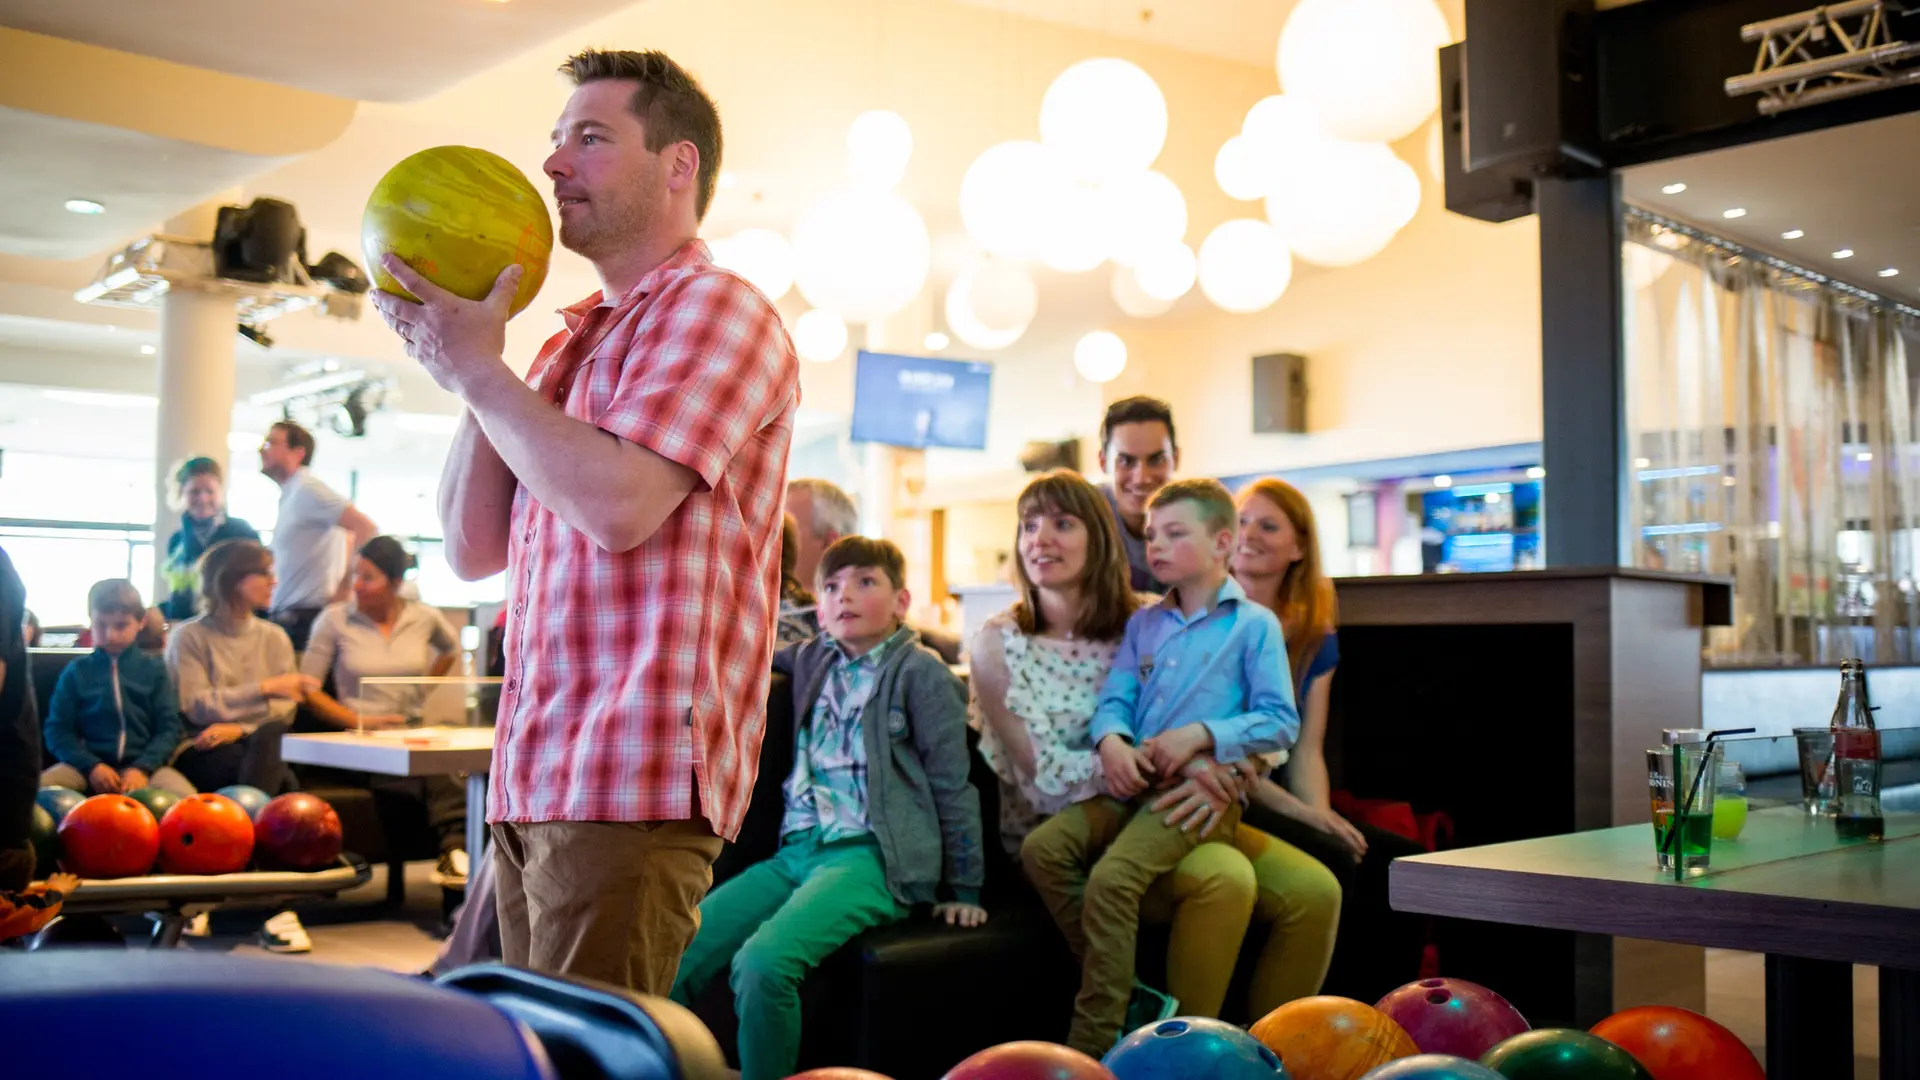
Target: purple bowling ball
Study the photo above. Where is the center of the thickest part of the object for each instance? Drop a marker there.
(1453, 1016)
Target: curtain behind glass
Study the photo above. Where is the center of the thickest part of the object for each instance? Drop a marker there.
(1770, 421)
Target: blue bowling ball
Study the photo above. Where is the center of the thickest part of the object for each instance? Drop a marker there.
(1187, 1047)
(251, 799)
(1432, 1067)
(57, 801)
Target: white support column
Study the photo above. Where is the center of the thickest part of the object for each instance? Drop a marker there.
(195, 385)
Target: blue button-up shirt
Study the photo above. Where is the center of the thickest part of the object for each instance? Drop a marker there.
(1225, 667)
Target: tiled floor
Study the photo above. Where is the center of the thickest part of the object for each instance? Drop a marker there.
(359, 931)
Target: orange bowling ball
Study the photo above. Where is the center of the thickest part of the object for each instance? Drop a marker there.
(206, 834)
(1332, 1038)
(108, 836)
(1675, 1044)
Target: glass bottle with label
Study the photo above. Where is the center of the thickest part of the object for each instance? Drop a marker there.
(1856, 759)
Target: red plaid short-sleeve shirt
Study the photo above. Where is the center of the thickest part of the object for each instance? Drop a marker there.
(634, 679)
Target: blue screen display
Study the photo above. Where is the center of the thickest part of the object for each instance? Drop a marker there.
(917, 402)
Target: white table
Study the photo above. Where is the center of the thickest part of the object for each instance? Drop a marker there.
(422, 751)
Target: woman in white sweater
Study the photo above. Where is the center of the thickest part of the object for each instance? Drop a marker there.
(239, 688)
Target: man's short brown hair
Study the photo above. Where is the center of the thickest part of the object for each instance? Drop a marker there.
(298, 438)
(669, 102)
(115, 596)
(1211, 497)
(865, 553)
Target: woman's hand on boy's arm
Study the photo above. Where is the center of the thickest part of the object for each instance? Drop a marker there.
(960, 914)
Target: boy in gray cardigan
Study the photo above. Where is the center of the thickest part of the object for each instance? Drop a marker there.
(879, 811)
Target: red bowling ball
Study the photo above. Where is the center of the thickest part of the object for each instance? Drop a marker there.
(1029, 1061)
(1675, 1044)
(206, 834)
(1453, 1016)
(297, 832)
(108, 836)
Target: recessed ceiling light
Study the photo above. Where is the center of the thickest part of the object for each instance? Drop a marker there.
(1537, 473)
(1674, 189)
(1443, 481)
(146, 350)
(935, 341)
(1891, 271)
(1793, 234)
(1736, 212)
(1864, 455)
(1642, 463)
(1843, 253)
(85, 206)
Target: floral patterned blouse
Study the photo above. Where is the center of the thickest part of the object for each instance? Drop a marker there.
(1052, 688)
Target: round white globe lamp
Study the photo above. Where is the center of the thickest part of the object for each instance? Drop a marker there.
(1105, 117)
(1100, 356)
(1244, 266)
(1367, 65)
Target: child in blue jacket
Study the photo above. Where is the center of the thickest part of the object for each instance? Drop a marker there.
(114, 721)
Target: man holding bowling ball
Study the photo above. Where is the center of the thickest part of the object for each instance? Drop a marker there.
(631, 490)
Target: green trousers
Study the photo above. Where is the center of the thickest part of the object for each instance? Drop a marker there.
(1093, 864)
(773, 923)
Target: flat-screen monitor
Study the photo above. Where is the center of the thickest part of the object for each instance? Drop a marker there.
(917, 401)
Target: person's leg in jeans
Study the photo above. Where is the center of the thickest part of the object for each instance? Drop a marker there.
(731, 913)
(1299, 900)
(844, 891)
(475, 937)
(1146, 848)
(614, 901)
(61, 774)
(1058, 855)
(1207, 900)
(446, 799)
(168, 779)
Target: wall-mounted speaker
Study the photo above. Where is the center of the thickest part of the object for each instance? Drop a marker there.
(1280, 394)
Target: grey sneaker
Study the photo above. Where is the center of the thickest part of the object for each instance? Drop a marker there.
(284, 934)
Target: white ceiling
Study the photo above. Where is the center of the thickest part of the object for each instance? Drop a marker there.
(365, 50)
(1244, 30)
(1845, 188)
(141, 179)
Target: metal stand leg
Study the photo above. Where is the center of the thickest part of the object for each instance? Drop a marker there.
(1899, 1024)
(1809, 1019)
(168, 926)
(476, 817)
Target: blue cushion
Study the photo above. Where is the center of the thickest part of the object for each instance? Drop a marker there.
(174, 1015)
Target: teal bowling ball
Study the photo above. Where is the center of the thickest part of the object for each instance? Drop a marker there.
(157, 801)
(251, 799)
(57, 801)
(46, 842)
(1562, 1054)
(1186, 1047)
(1432, 1067)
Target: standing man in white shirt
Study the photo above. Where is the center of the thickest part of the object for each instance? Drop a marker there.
(309, 556)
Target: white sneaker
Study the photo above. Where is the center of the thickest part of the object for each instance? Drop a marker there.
(284, 934)
(451, 871)
(198, 926)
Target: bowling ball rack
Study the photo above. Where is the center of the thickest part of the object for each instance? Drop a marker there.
(170, 901)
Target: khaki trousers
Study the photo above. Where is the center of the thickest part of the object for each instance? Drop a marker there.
(612, 901)
(1092, 863)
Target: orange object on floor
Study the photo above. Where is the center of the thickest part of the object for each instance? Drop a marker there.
(1332, 1038)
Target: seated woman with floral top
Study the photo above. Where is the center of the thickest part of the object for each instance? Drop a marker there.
(1037, 669)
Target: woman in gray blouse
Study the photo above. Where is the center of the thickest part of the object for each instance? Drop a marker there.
(381, 633)
(238, 692)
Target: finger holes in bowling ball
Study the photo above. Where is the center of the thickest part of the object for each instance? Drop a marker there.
(1439, 997)
(1170, 1028)
(1272, 1059)
(186, 839)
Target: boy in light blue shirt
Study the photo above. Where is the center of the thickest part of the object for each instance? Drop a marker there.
(1200, 677)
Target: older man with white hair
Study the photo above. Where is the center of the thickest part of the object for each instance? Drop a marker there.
(824, 513)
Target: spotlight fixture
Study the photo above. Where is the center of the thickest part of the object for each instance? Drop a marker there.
(87, 207)
(1736, 212)
(1891, 271)
(1793, 234)
(1673, 189)
(1843, 253)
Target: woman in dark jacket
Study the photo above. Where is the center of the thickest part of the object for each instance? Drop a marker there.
(200, 494)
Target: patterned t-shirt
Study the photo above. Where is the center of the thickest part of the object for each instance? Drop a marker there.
(828, 786)
(1053, 686)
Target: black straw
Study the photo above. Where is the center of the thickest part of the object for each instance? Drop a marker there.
(1693, 793)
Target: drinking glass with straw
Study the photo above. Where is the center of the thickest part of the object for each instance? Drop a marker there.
(1685, 811)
